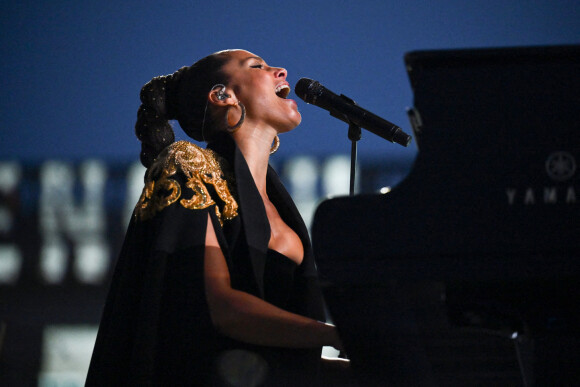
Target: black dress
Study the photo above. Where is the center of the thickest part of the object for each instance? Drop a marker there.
(156, 328)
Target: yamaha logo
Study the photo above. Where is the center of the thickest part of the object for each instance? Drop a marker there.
(560, 166)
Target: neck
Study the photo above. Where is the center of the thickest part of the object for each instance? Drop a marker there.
(255, 145)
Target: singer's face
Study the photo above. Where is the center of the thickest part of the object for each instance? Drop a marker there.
(263, 90)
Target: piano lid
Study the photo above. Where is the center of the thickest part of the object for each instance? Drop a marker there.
(497, 169)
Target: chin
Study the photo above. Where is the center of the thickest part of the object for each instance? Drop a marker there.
(294, 125)
(297, 120)
(290, 123)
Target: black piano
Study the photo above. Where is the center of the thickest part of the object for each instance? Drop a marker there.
(468, 272)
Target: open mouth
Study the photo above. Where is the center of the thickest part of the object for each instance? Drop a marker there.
(282, 91)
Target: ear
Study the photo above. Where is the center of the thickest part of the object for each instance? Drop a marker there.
(219, 95)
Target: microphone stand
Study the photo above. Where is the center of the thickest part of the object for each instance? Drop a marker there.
(354, 134)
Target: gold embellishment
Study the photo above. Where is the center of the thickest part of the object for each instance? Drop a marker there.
(200, 168)
(156, 197)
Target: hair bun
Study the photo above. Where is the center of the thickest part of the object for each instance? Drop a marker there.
(180, 96)
(153, 95)
(152, 127)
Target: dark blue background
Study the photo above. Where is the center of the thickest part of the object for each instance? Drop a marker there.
(71, 70)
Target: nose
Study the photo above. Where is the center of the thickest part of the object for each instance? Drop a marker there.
(280, 72)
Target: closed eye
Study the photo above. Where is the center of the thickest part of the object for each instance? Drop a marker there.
(258, 66)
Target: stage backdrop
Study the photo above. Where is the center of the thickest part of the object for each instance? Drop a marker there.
(71, 75)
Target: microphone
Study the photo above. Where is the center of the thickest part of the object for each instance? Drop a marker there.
(347, 110)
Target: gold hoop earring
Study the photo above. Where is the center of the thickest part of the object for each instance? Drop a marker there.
(234, 128)
(275, 146)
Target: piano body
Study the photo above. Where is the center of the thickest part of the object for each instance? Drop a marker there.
(468, 272)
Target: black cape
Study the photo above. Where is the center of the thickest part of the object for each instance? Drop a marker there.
(155, 328)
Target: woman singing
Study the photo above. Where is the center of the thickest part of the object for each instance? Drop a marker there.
(216, 282)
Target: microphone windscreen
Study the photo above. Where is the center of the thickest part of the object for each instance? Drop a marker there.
(302, 87)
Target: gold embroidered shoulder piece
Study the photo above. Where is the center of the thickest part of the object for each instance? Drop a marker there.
(200, 167)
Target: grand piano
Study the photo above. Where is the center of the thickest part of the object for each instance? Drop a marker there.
(468, 271)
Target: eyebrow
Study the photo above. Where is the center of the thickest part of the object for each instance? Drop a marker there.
(253, 57)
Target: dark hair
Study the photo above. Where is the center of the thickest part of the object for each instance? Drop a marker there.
(181, 96)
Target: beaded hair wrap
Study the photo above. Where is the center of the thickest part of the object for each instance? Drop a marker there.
(153, 95)
(152, 126)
